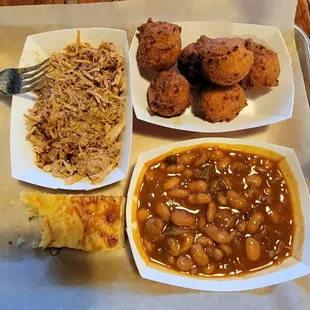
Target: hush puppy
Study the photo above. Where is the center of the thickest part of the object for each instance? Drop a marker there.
(265, 70)
(226, 61)
(189, 64)
(169, 94)
(159, 45)
(222, 103)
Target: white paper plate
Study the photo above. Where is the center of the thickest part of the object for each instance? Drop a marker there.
(264, 107)
(37, 48)
(290, 269)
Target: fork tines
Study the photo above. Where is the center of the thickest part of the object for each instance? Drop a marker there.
(32, 76)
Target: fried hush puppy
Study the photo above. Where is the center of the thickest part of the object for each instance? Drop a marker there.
(226, 61)
(169, 94)
(222, 103)
(159, 45)
(189, 64)
(265, 70)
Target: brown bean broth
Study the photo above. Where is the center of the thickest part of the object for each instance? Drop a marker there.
(151, 193)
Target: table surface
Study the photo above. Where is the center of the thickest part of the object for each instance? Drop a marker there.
(302, 13)
(79, 280)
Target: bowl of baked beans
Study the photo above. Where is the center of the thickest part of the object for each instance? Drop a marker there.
(218, 214)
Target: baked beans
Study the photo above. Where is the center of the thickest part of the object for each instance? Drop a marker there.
(210, 211)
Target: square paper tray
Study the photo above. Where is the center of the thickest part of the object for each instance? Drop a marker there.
(37, 48)
(294, 267)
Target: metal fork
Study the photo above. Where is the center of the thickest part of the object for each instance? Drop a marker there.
(18, 81)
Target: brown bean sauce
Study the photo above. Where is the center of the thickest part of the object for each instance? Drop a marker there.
(210, 211)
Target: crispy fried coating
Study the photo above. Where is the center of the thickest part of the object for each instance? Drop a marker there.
(189, 64)
(169, 94)
(159, 45)
(222, 103)
(226, 61)
(265, 70)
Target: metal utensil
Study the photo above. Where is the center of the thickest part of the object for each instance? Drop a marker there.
(18, 81)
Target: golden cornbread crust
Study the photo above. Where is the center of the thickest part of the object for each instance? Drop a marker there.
(84, 222)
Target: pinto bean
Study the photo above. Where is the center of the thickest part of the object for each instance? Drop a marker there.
(197, 186)
(173, 246)
(202, 223)
(205, 241)
(225, 219)
(220, 236)
(221, 199)
(254, 179)
(252, 248)
(232, 235)
(186, 242)
(187, 159)
(209, 251)
(254, 223)
(143, 214)
(171, 183)
(237, 166)
(169, 259)
(209, 269)
(174, 169)
(148, 245)
(193, 227)
(163, 211)
(182, 218)
(211, 212)
(178, 193)
(193, 270)
(188, 173)
(217, 254)
(200, 257)
(153, 228)
(241, 226)
(199, 198)
(202, 158)
(237, 200)
(224, 163)
(184, 263)
(217, 154)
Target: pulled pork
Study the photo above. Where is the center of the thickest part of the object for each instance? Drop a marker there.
(75, 125)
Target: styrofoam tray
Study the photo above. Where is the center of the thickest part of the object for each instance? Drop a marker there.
(264, 107)
(37, 48)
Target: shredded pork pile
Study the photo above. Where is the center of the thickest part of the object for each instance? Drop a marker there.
(75, 125)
